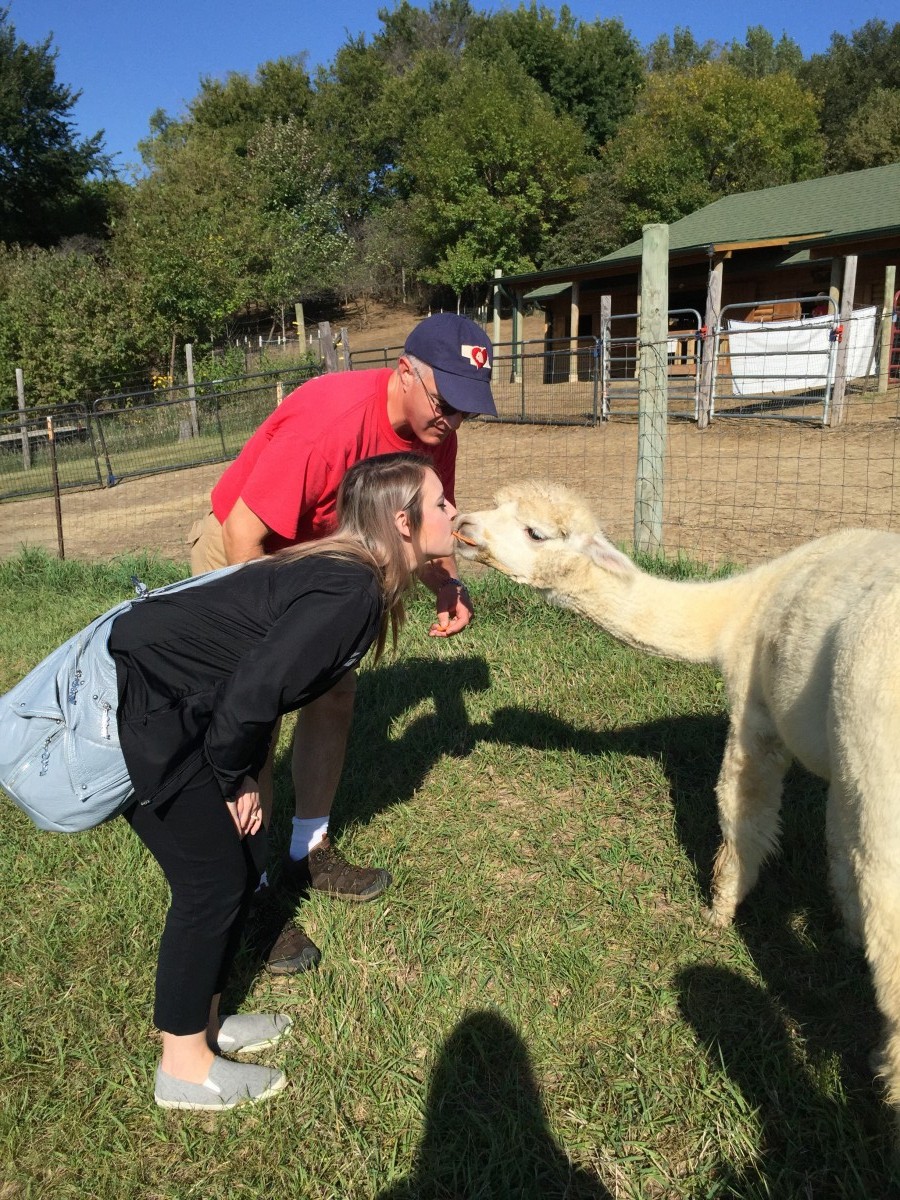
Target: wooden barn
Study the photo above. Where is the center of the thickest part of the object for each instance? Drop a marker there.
(777, 253)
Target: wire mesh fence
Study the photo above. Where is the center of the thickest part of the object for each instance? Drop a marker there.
(142, 433)
(737, 491)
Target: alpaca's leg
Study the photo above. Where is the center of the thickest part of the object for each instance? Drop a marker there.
(879, 890)
(749, 799)
(842, 835)
(873, 807)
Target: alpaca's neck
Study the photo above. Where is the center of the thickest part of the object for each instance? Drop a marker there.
(690, 621)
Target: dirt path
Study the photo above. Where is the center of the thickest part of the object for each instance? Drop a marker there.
(739, 491)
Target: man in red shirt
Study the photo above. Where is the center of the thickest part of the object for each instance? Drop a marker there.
(281, 490)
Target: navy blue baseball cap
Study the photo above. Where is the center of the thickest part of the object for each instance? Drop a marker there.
(461, 355)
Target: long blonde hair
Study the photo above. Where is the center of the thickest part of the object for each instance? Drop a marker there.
(371, 493)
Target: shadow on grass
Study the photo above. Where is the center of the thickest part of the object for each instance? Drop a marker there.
(380, 770)
(788, 923)
(688, 748)
(791, 930)
(485, 1132)
(807, 1144)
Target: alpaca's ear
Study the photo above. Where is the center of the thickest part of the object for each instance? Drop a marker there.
(605, 555)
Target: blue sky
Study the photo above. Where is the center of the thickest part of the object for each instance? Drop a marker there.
(130, 58)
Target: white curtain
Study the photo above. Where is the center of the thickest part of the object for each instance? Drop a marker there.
(792, 356)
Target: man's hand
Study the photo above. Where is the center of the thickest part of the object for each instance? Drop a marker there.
(245, 808)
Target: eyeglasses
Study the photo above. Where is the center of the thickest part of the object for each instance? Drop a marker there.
(440, 406)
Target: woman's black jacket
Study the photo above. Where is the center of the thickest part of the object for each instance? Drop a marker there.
(204, 674)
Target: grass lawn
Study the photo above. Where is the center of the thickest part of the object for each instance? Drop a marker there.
(534, 1010)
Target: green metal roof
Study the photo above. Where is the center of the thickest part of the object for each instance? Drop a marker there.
(549, 289)
(834, 207)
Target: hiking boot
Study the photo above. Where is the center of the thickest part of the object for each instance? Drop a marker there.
(326, 870)
(292, 952)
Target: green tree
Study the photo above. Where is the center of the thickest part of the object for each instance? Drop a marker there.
(45, 194)
(234, 108)
(846, 75)
(679, 53)
(760, 55)
(873, 139)
(595, 225)
(301, 246)
(590, 70)
(347, 120)
(491, 174)
(67, 319)
(708, 132)
(185, 238)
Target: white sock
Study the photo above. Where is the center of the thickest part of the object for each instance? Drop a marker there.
(306, 832)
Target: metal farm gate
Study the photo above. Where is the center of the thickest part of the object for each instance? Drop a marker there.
(775, 358)
(620, 363)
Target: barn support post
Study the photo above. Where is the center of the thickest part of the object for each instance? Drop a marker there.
(837, 277)
(838, 409)
(887, 313)
(516, 348)
(574, 313)
(653, 390)
(498, 271)
(710, 322)
(26, 441)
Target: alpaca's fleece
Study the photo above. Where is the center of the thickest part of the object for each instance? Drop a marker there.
(809, 649)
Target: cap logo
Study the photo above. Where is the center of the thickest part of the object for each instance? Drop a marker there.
(477, 355)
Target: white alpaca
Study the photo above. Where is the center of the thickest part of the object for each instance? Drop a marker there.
(809, 649)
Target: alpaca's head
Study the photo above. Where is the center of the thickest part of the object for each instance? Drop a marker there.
(528, 527)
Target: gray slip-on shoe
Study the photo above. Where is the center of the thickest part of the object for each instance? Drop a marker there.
(252, 1031)
(227, 1085)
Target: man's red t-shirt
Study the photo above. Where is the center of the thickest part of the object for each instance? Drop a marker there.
(289, 471)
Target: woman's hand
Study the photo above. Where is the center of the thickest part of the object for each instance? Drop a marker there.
(454, 609)
(245, 808)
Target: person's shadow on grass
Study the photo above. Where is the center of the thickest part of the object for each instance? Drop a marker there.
(382, 769)
(486, 1136)
(792, 933)
(806, 1143)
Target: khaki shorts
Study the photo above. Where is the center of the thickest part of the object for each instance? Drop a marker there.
(207, 546)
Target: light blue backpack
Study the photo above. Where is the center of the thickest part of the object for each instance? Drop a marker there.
(60, 759)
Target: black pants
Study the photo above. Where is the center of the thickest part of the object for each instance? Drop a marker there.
(212, 873)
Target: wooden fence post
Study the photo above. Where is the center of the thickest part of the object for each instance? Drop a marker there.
(838, 402)
(603, 363)
(496, 297)
(710, 321)
(300, 322)
(26, 441)
(653, 393)
(345, 348)
(887, 313)
(326, 345)
(57, 502)
(192, 393)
